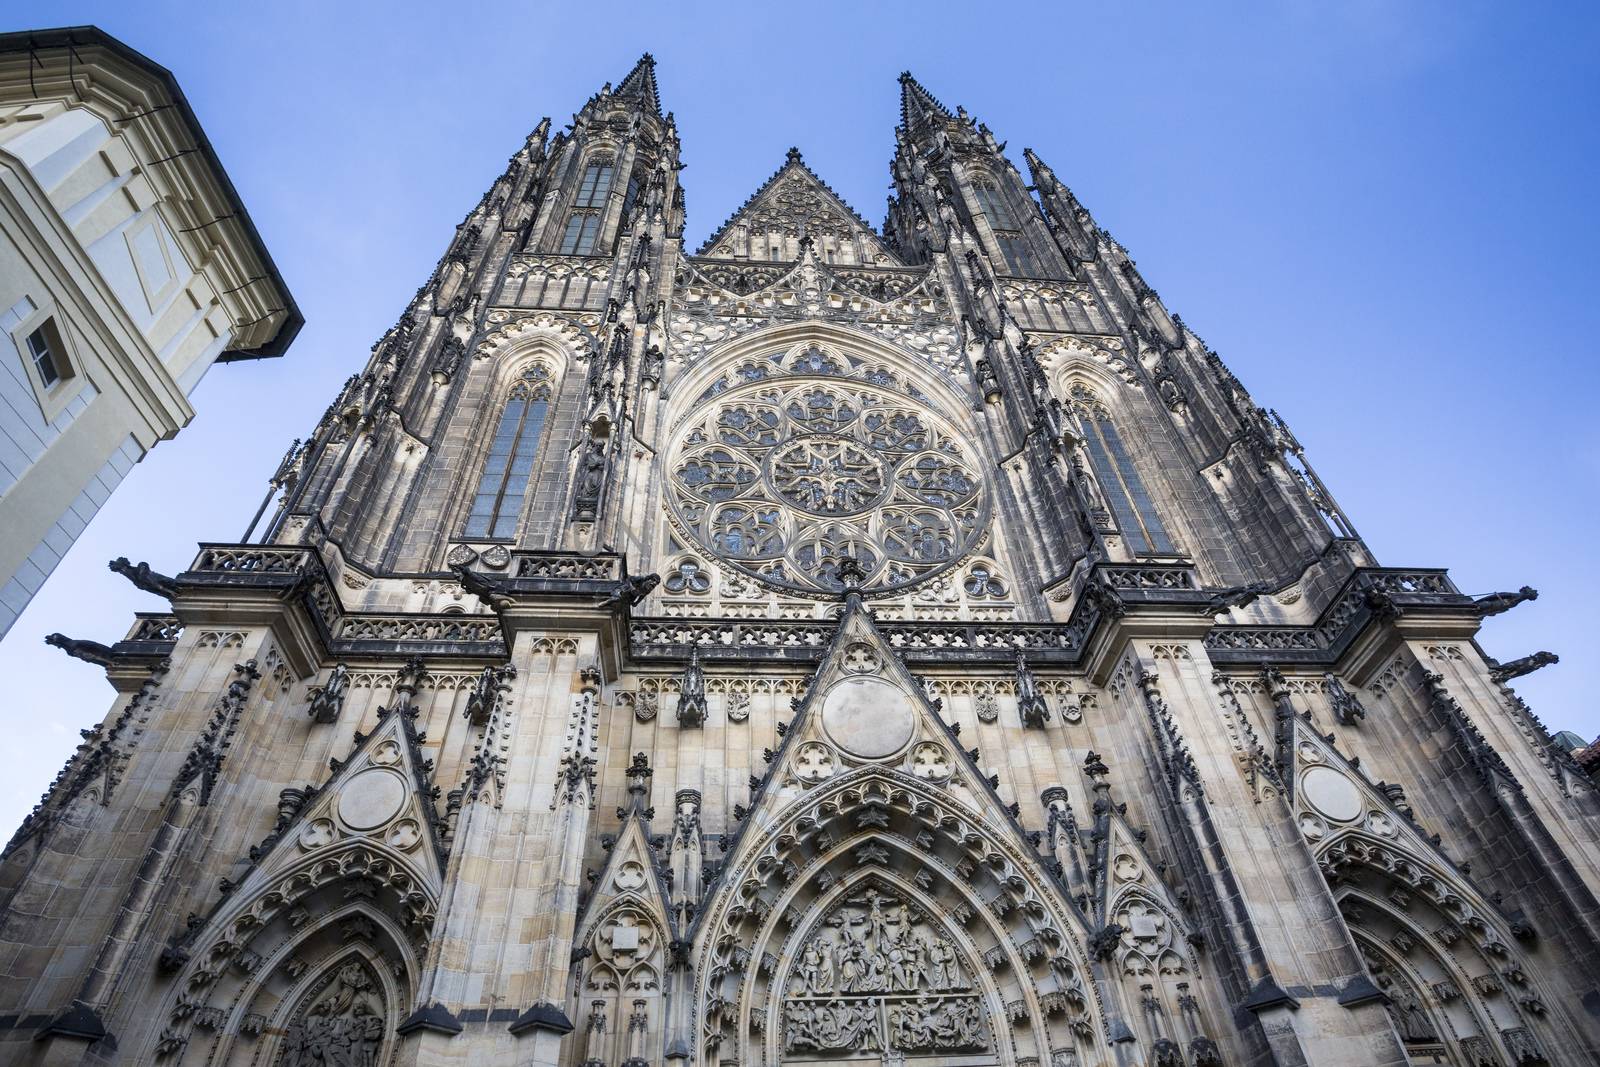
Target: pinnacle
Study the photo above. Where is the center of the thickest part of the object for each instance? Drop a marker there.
(794, 156)
(916, 103)
(641, 81)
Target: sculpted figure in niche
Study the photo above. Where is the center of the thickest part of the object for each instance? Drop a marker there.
(345, 1028)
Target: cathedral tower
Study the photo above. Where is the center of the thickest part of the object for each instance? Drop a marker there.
(906, 646)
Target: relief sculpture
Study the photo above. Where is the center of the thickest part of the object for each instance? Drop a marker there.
(877, 975)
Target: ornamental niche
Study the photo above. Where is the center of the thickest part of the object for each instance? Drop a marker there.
(877, 976)
(783, 480)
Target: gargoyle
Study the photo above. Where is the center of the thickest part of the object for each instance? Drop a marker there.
(630, 591)
(88, 651)
(1495, 603)
(1238, 596)
(142, 576)
(483, 587)
(1505, 672)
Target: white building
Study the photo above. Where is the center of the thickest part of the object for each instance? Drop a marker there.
(128, 266)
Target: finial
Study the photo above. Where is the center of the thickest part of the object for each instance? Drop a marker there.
(794, 156)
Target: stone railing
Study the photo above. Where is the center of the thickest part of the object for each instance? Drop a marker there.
(1325, 639)
(248, 559)
(916, 641)
(567, 566)
(154, 627)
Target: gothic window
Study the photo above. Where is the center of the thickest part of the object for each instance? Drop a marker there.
(582, 229)
(583, 225)
(596, 184)
(784, 480)
(1007, 230)
(993, 205)
(1125, 493)
(509, 467)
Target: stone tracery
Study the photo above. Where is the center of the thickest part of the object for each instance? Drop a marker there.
(786, 479)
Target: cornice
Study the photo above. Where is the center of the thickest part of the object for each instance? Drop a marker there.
(132, 92)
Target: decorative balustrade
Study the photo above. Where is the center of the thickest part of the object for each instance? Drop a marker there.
(148, 627)
(567, 566)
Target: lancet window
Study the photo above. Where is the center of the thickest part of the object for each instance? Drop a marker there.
(1125, 493)
(508, 469)
(1007, 230)
(583, 225)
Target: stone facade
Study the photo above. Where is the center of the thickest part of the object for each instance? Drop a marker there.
(907, 646)
(128, 267)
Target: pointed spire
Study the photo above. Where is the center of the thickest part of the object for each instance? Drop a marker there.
(916, 103)
(641, 82)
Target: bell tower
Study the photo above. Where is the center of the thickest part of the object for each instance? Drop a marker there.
(908, 646)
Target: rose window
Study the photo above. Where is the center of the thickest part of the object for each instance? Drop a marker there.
(785, 481)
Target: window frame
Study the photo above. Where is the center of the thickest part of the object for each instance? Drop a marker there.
(1127, 493)
(52, 397)
(533, 387)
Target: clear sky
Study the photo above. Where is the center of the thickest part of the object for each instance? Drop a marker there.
(1383, 215)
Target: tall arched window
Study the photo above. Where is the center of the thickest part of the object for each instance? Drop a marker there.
(583, 225)
(993, 205)
(509, 466)
(1007, 230)
(1126, 496)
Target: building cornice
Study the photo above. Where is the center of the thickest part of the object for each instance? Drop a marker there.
(134, 94)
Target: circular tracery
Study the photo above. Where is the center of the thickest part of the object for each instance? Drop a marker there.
(785, 480)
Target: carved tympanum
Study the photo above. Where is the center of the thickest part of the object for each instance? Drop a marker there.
(877, 974)
(342, 1025)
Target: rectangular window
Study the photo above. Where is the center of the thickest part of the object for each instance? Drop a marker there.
(47, 362)
(1015, 251)
(595, 187)
(582, 229)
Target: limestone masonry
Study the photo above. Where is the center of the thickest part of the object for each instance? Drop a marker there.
(906, 646)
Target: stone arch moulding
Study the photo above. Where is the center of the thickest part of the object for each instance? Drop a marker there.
(968, 883)
(508, 335)
(683, 392)
(239, 1007)
(1102, 360)
(1452, 945)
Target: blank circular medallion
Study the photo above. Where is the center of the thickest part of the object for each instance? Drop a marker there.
(868, 717)
(371, 799)
(1331, 793)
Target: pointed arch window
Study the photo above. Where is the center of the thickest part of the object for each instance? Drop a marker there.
(1126, 495)
(583, 225)
(993, 205)
(508, 469)
(1007, 230)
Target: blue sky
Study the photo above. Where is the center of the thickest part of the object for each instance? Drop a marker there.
(1381, 214)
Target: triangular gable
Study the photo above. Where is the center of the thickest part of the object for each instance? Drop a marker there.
(864, 709)
(795, 202)
(1332, 800)
(631, 872)
(374, 814)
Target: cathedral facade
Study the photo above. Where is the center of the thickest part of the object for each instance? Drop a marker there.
(904, 646)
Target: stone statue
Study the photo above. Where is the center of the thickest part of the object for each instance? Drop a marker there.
(328, 701)
(88, 651)
(142, 576)
(589, 482)
(1496, 603)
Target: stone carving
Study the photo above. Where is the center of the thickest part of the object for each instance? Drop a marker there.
(877, 975)
(328, 701)
(784, 481)
(144, 578)
(987, 707)
(589, 481)
(343, 1028)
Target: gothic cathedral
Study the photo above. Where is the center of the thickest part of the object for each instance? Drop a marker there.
(905, 646)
